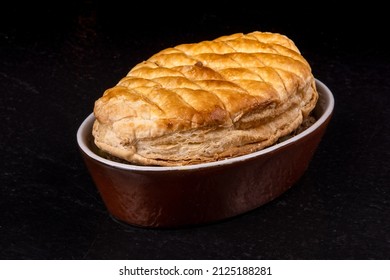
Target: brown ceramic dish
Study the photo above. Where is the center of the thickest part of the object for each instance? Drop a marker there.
(150, 196)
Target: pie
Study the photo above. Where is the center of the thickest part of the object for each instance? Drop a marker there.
(206, 101)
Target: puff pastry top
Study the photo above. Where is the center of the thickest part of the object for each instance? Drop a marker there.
(206, 101)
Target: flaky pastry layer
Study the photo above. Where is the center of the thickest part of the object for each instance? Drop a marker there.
(206, 101)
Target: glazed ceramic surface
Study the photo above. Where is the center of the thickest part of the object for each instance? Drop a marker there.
(151, 196)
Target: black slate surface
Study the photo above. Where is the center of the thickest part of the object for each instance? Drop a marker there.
(56, 59)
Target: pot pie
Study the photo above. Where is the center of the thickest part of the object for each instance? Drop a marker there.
(206, 101)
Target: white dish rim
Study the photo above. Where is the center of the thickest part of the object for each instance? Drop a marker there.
(326, 99)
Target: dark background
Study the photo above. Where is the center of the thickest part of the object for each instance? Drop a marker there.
(57, 59)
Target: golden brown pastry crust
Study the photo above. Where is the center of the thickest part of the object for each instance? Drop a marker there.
(206, 101)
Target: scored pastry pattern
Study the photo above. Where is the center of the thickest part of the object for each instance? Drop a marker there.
(222, 82)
